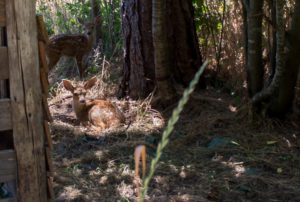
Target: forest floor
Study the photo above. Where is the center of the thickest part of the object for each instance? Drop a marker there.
(213, 154)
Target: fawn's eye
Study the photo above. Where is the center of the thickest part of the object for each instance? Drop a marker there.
(75, 94)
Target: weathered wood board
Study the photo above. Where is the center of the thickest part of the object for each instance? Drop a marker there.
(3, 63)
(26, 100)
(5, 115)
(2, 13)
(7, 165)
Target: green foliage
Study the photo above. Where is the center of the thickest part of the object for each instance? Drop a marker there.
(207, 19)
(61, 17)
(111, 25)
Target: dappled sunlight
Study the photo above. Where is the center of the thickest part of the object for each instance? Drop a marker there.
(232, 108)
(191, 167)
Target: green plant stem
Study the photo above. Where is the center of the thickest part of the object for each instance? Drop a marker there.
(170, 127)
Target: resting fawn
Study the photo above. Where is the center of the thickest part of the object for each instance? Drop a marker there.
(100, 113)
(72, 45)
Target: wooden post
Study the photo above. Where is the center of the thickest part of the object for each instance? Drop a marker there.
(26, 100)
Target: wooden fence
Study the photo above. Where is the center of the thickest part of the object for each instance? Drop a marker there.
(25, 142)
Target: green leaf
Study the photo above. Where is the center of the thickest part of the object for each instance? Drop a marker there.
(58, 14)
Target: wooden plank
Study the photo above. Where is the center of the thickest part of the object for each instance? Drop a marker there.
(43, 57)
(7, 154)
(8, 165)
(26, 102)
(49, 160)
(3, 63)
(42, 32)
(48, 135)
(4, 89)
(44, 82)
(7, 178)
(2, 13)
(50, 189)
(8, 200)
(46, 109)
(5, 117)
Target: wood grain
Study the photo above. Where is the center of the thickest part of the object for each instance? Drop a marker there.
(8, 200)
(42, 32)
(7, 165)
(44, 82)
(3, 63)
(43, 56)
(48, 135)
(5, 115)
(26, 100)
(2, 13)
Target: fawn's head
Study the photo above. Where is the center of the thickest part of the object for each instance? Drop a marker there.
(89, 27)
(79, 92)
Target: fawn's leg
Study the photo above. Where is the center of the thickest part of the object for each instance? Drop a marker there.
(79, 61)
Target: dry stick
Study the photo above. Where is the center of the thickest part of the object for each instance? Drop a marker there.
(102, 76)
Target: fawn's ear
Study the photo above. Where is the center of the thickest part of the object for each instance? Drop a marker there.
(90, 83)
(68, 85)
(97, 19)
(80, 21)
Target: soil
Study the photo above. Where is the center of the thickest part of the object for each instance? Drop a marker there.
(213, 154)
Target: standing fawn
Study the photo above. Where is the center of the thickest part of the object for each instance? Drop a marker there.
(72, 45)
(100, 113)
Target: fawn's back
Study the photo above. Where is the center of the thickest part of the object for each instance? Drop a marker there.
(72, 45)
(101, 113)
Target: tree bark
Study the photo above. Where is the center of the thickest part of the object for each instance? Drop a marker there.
(184, 46)
(283, 100)
(245, 29)
(274, 40)
(255, 69)
(161, 52)
(96, 11)
(138, 65)
(280, 56)
(139, 76)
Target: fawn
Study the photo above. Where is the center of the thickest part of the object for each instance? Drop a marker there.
(72, 45)
(100, 113)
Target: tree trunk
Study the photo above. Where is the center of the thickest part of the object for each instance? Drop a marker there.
(138, 65)
(96, 11)
(245, 7)
(255, 69)
(183, 40)
(161, 52)
(139, 76)
(284, 98)
(280, 56)
(274, 40)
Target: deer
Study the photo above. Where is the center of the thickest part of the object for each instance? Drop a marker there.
(102, 114)
(77, 46)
